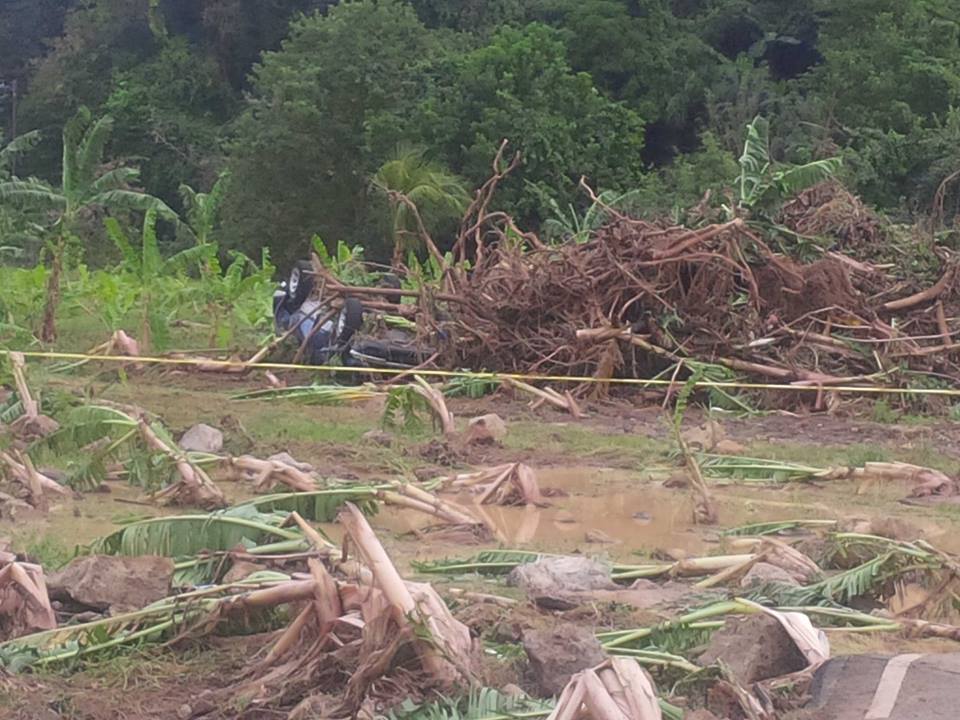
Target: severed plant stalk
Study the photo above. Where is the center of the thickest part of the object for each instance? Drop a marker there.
(194, 486)
(24, 605)
(268, 473)
(617, 689)
(20, 468)
(510, 484)
(436, 403)
(443, 644)
(705, 509)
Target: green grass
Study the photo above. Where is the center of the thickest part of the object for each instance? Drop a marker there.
(589, 442)
(46, 550)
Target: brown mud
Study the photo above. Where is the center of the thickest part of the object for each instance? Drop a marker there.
(604, 475)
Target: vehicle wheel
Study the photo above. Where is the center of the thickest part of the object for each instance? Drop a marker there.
(300, 283)
(349, 320)
(391, 281)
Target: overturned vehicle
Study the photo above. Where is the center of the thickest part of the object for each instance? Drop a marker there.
(341, 328)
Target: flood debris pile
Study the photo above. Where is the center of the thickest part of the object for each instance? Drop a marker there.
(638, 297)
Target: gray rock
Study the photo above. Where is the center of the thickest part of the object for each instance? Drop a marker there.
(117, 583)
(754, 648)
(561, 583)
(557, 653)
(202, 438)
(763, 573)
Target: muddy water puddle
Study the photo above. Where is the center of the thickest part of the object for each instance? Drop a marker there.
(77, 521)
(612, 512)
(640, 516)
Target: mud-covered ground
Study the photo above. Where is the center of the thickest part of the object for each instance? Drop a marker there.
(605, 473)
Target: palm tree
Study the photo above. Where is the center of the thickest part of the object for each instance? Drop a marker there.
(84, 185)
(421, 194)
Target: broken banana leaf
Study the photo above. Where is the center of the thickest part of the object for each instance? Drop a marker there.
(776, 527)
(185, 535)
(501, 562)
(887, 561)
(314, 394)
(153, 623)
(320, 505)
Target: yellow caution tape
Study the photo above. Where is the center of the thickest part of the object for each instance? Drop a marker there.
(241, 365)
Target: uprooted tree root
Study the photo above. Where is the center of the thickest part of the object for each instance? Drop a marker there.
(738, 303)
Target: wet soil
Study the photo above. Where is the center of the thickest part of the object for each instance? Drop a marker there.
(607, 471)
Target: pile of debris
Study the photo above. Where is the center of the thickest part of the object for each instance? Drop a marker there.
(638, 297)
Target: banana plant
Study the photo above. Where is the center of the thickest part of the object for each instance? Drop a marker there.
(764, 186)
(345, 262)
(202, 212)
(84, 185)
(237, 298)
(19, 229)
(156, 279)
(421, 195)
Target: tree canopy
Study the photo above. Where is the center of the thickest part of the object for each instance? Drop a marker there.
(302, 101)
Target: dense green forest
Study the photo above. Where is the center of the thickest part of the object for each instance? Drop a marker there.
(297, 107)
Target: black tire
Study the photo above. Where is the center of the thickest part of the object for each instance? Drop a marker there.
(349, 320)
(391, 281)
(300, 283)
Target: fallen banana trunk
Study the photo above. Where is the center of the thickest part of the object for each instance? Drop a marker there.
(733, 468)
(267, 474)
(410, 496)
(618, 689)
(510, 484)
(191, 613)
(925, 481)
(194, 487)
(564, 402)
(20, 469)
(119, 344)
(24, 605)
(773, 552)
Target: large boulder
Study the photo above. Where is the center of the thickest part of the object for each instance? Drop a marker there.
(561, 583)
(114, 583)
(755, 648)
(202, 438)
(557, 653)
